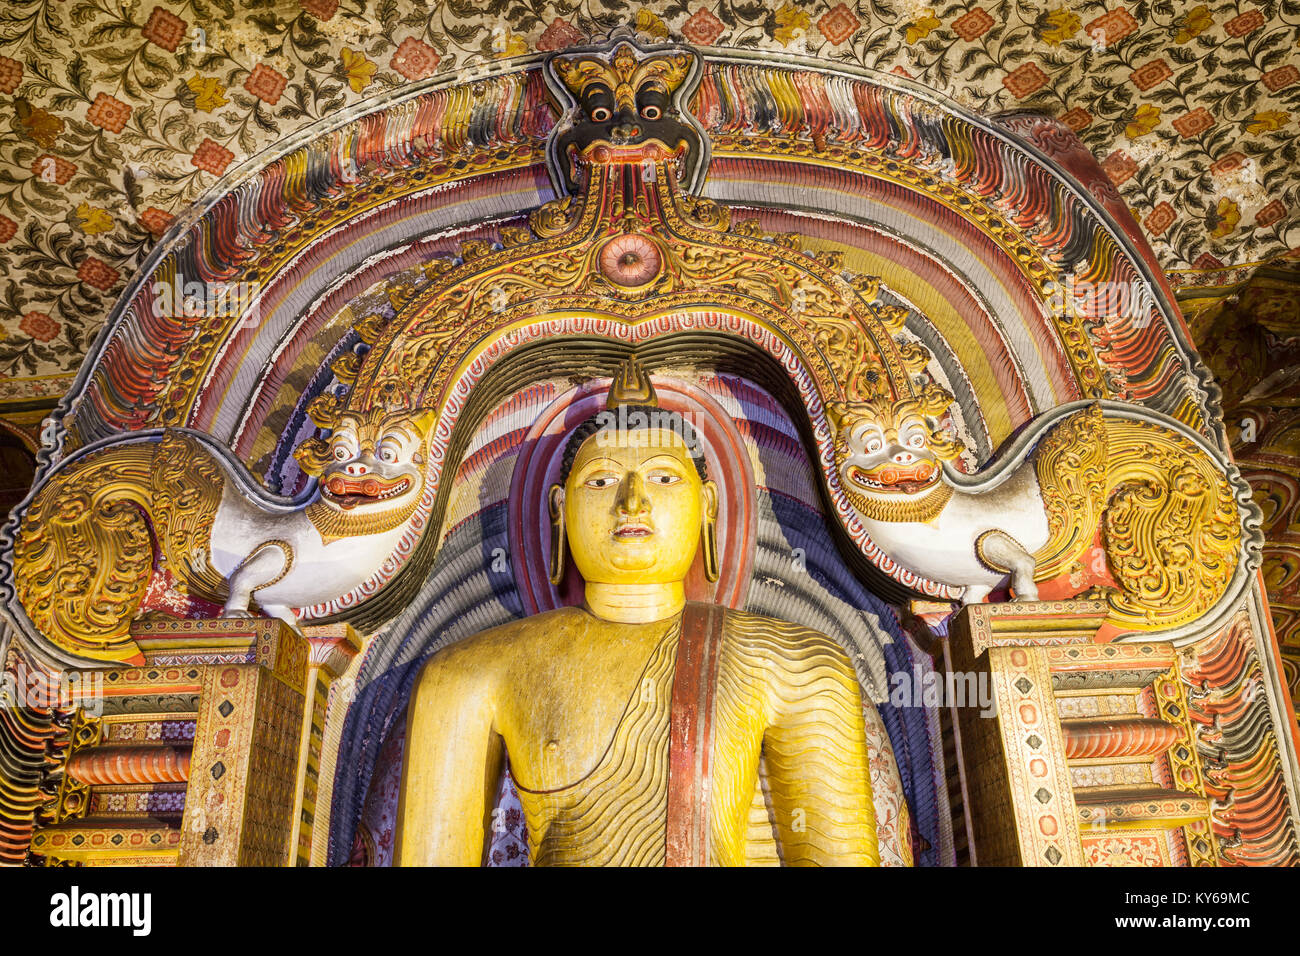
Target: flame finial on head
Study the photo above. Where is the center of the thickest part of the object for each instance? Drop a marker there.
(631, 386)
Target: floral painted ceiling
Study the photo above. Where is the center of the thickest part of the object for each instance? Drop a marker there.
(120, 113)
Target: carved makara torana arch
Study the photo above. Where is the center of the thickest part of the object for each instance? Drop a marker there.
(956, 317)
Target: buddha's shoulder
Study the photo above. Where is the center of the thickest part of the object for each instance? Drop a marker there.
(492, 648)
(759, 635)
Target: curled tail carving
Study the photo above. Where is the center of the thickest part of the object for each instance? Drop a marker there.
(1168, 516)
(93, 535)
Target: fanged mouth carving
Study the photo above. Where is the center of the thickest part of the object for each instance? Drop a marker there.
(901, 480)
(347, 493)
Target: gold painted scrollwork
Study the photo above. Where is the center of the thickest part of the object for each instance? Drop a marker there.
(702, 259)
(187, 484)
(72, 799)
(1170, 523)
(1070, 463)
(85, 552)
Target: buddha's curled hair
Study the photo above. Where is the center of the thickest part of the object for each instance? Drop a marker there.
(628, 418)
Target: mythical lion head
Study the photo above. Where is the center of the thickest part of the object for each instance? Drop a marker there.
(889, 456)
(626, 106)
(373, 461)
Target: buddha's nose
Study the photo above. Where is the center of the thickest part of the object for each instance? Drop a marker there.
(632, 498)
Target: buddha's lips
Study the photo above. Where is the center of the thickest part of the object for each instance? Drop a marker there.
(633, 531)
(895, 477)
(347, 493)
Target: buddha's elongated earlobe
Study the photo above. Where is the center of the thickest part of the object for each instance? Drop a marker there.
(710, 530)
(555, 502)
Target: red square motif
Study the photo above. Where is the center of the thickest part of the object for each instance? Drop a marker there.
(1281, 78)
(212, 156)
(703, 27)
(109, 113)
(1270, 214)
(11, 74)
(267, 84)
(1248, 22)
(1025, 80)
(1161, 218)
(1110, 28)
(838, 24)
(1197, 121)
(1119, 166)
(559, 36)
(1077, 119)
(95, 273)
(1150, 74)
(164, 29)
(415, 59)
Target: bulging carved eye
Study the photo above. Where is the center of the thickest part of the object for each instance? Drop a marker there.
(651, 112)
(340, 453)
(917, 440)
(874, 444)
(387, 453)
(600, 114)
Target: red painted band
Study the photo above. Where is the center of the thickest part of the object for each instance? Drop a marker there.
(690, 736)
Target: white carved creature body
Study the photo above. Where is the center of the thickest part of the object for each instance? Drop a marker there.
(99, 528)
(368, 492)
(973, 541)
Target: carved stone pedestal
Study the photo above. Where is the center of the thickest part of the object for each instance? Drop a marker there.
(211, 753)
(1089, 758)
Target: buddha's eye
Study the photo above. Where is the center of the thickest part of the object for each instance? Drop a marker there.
(665, 479)
(601, 481)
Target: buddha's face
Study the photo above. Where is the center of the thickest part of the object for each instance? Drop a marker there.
(633, 507)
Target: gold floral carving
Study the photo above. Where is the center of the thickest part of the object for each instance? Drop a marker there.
(1070, 463)
(186, 490)
(624, 73)
(333, 524)
(1171, 527)
(704, 262)
(84, 557)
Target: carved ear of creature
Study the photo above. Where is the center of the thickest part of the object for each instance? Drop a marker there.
(313, 455)
(425, 421)
(933, 402)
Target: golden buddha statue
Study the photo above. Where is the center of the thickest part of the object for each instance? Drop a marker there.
(640, 729)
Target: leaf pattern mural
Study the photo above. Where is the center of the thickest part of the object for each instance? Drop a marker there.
(117, 114)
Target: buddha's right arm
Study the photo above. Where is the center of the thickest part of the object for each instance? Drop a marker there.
(818, 765)
(452, 768)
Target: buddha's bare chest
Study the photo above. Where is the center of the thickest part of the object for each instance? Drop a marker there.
(580, 707)
(567, 709)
